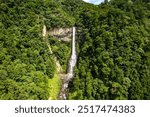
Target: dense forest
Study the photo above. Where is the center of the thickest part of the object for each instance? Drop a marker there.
(26, 64)
(114, 54)
(113, 47)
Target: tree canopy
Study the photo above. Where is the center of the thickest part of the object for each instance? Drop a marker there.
(113, 47)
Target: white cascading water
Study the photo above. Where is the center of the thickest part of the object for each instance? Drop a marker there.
(70, 73)
(73, 58)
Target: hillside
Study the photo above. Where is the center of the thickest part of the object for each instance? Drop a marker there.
(114, 54)
(26, 64)
(113, 49)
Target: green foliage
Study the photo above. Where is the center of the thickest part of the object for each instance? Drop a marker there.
(25, 61)
(54, 16)
(113, 59)
(21, 81)
(61, 50)
(54, 85)
(113, 49)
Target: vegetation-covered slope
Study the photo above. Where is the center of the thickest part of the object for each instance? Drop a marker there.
(25, 61)
(114, 54)
(113, 48)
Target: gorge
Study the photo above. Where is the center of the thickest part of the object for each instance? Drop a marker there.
(64, 77)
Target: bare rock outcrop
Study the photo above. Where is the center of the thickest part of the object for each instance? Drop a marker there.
(63, 34)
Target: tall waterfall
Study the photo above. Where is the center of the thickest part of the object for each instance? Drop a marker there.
(71, 65)
(73, 58)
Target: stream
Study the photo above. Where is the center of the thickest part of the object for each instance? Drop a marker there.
(70, 71)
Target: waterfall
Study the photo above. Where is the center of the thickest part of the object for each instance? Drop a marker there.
(71, 65)
(73, 58)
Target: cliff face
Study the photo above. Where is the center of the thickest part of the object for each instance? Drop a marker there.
(63, 34)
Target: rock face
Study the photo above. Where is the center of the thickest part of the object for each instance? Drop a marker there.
(44, 31)
(63, 34)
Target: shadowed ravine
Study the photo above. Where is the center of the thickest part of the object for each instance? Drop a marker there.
(69, 75)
